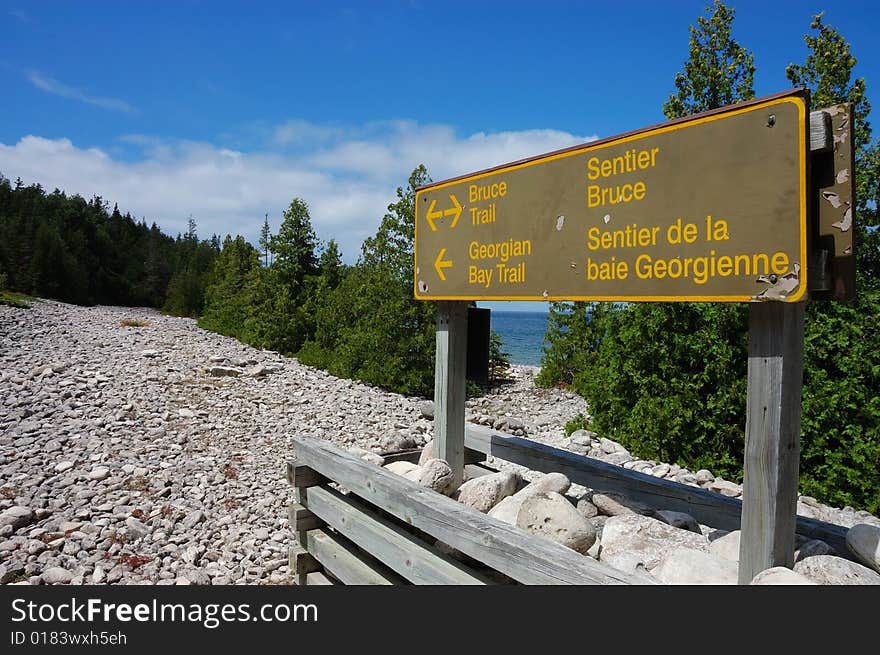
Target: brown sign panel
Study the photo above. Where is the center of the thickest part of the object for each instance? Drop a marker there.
(711, 208)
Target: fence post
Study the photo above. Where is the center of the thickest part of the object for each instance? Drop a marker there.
(772, 445)
(450, 385)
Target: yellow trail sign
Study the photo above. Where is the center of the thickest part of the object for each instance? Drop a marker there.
(708, 208)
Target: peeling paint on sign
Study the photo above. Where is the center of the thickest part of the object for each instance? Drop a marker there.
(833, 264)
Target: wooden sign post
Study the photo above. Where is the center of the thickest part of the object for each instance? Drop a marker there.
(773, 428)
(450, 385)
(776, 355)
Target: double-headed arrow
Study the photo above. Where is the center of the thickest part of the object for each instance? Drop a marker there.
(455, 211)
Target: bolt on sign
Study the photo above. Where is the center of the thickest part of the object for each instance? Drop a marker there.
(708, 208)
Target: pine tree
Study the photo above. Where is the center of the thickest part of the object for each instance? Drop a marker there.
(330, 264)
(719, 71)
(191, 234)
(228, 293)
(265, 239)
(840, 440)
(371, 328)
(828, 73)
(294, 246)
(642, 367)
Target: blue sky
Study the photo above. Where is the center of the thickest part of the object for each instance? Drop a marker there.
(226, 111)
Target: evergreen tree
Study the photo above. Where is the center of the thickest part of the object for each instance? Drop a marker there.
(228, 294)
(47, 265)
(371, 328)
(828, 73)
(265, 239)
(840, 431)
(191, 234)
(330, 264)
(186, 289)
(719, 71)
(282, 318)
(294, 246)
(643, 367)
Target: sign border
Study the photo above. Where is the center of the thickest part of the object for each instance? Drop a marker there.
(798, 97)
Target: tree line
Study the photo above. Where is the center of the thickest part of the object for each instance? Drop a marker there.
(292, 294)
(57, 246)
(668, 380)
(295, 296)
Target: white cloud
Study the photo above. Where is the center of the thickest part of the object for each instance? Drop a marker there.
(300, 132)
(348, 176)
(53, 86)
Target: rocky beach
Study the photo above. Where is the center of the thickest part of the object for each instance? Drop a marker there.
(137, 448)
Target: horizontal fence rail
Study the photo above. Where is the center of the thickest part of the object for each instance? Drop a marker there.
(705, 506)
(508, 550)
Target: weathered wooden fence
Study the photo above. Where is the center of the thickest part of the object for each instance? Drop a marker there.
(386, 529)
(707, 507)
(356, 523)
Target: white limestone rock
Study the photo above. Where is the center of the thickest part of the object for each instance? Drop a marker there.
(552, 516)
(405, 469)
(727, 546)
(224, 371)
(136, 529)
(427, 453)
(632, 539)
(508, 508)
(396, 442)
(780, 575)
(812, 548)
(17, 517)
(56, 575)
(99, 473)
(611, 504)
(587, 509)
(686, 566)
(725, 488)
(486, 491)
(437, 475)
(863, 541)
(258, 371)
(830, 570)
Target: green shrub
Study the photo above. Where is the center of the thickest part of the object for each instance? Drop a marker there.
(840, 421)
(579, 422)
(499, 359)
(669, 384)
(13, 300)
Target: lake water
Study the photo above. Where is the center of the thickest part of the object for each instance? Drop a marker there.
(522, 335)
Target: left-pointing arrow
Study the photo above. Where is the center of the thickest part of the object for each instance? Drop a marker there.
(439, 264)
(431, 215)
